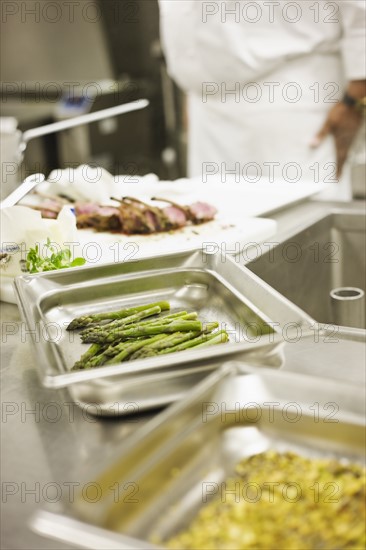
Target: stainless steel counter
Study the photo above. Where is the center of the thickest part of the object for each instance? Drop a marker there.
(45, 438)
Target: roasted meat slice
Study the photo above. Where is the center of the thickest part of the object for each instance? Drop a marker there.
(202, 212)
(132, 216)
(176, 216)
(198, 212)
(101, 218)
(138, 217)
(49, 210)
(155, 217)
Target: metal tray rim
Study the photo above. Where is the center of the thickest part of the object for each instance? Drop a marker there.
(65, 379)
(62, 526)
(238, 368)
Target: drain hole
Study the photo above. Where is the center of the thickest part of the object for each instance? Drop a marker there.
(347, 293)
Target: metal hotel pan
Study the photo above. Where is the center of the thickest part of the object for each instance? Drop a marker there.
(325, 351)
(234, 413)
(217, 288)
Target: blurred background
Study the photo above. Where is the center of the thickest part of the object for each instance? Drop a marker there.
(63, 58)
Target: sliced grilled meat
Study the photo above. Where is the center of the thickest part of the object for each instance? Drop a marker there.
(155, 216)
(198, 212)
(202, 212)
(134, 219)
(133, 216)
(101, 218)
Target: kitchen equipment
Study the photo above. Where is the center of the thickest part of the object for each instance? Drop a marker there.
(348, 306)
(20, 140)
(195, 281)
(163, 470)
(325, 253)
(325, 351)
(81, 120)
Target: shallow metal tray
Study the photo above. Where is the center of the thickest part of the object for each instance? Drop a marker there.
(325, 351)
(216, 287)
(163, 470)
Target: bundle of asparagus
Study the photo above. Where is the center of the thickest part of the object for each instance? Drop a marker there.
(123, 335)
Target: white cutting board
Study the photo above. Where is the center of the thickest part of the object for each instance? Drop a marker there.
(230, 197)
(261, 198)
(220, 235)
(217, 236)
(237, 204)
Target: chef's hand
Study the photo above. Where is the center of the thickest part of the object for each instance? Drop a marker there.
(343, 122)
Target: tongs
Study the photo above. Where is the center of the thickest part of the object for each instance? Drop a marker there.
(23, 189)
(30, 182)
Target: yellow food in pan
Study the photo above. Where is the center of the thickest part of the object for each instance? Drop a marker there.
(281, 501)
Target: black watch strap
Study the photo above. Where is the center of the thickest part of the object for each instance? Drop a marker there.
(349, 100)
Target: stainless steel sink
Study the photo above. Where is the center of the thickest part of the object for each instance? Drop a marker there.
(327, 254)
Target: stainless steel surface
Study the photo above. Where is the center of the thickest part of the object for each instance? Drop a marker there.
(44, 438)
(348, 306)
(217, 290)
(236, 413)
(325, 253)
(324, 351)
(23, 189)
(81, 120)
(49, 444)
(79, 535)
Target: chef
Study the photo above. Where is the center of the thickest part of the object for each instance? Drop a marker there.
(275, 88)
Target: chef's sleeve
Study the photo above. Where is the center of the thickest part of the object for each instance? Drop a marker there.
(352, 15)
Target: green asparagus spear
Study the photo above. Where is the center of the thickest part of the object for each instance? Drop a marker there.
(116, 347)
(132, 321)
(84, 321)
(121, 323)
(173, 340)
(97, 361)
(92, 351)
(167, 342)
(140, 332)
(217, 338)
(190, 316)
(124, 349)
(209, 327)
(111, 337)
(148, 330)
(166, 319)
(103, 334)
(130, 348)
(94, 362)
(160, 344)
(194, 343)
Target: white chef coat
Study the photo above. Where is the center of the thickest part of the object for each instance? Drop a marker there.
(260, 78)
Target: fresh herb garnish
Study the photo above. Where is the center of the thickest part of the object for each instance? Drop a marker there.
(54, 259)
